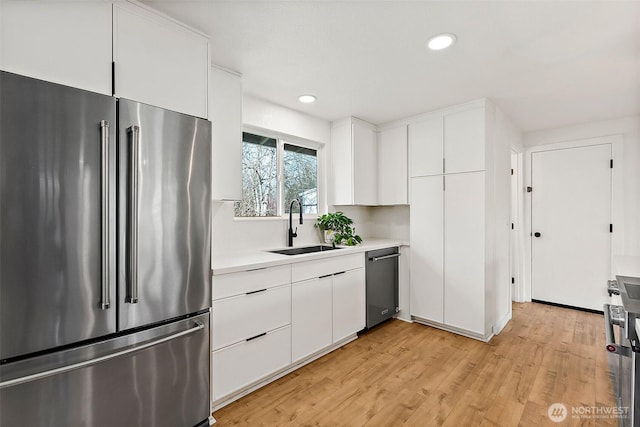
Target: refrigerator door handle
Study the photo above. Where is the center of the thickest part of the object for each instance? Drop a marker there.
(105, 301)
(33, 377)
(134, 169)
(611, 345)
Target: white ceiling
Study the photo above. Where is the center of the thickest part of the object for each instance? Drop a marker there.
(546, 64)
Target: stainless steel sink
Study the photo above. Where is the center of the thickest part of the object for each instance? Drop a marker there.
(304, 250)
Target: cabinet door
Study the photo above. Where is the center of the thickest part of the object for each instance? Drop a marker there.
(158, 61)
(427, 248)
(349, 305)
(311, 316)
(464, 251)
(225, 113)
(244, 316)
(392, 166)
(341, 176)
(65, 43)
(464, 141)
(365, 162)
(242, 364)
(426, 149)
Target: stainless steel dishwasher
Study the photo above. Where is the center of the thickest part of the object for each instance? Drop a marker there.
(382, 285)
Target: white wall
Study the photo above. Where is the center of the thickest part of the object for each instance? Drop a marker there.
(236, 235)
(390, 222)
(263, 114)
(382, 222)
(629, 128)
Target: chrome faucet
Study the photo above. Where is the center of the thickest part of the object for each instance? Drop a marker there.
(292, 233)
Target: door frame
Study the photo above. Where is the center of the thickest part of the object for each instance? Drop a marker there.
(617, 217)
(516, 255)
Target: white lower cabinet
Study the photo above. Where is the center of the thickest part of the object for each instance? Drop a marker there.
(243, 363)
(265, 320)
(311, 316)
(251, 327)
(349, 307)
(244, 316)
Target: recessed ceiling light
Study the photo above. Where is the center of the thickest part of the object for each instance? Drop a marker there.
(307, 99)
(441, 41)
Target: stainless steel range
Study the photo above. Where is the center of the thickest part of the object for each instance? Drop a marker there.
(105, 282)
(624, 361)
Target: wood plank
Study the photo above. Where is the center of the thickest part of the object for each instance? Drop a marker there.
(414, 375)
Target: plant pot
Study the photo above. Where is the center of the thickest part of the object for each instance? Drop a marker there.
(326, 236)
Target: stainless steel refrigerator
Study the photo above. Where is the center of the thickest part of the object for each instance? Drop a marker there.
(105, 280)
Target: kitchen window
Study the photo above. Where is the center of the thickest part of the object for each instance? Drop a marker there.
(274, 172)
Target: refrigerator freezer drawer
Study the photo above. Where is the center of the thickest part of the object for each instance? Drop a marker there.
(157, 377)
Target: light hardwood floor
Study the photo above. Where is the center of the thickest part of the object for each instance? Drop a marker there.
(414, 375)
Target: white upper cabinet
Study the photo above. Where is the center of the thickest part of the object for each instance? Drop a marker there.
(225, 113)
(448, 142)
(426, 139)
(464, 141)
(65, 43)
(354, 163)
(392, 166)
(158, 61)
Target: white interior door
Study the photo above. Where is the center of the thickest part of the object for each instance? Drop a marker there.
(570, 220)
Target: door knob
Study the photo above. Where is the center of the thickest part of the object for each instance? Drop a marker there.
(537, 234)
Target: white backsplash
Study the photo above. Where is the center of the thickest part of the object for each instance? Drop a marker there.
(231, 235)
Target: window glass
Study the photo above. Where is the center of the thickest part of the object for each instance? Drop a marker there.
(300, 178)
(259, 177)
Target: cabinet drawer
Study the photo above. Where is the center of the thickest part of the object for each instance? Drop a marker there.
(312, 269)
(241, 364)
(245, 316)
(226, 285)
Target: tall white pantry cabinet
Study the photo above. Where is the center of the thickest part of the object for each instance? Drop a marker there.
(457, 171)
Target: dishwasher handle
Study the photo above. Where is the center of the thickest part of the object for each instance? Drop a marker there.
(380, 258)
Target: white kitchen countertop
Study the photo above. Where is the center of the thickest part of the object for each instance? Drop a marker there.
(251, 259)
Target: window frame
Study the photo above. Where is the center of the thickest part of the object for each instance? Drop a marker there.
(281, 140)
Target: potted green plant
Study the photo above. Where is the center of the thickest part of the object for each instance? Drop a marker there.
(337, 228)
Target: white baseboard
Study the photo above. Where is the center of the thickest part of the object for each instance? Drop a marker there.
(403, 319)
(452, 329)
(498, 327)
